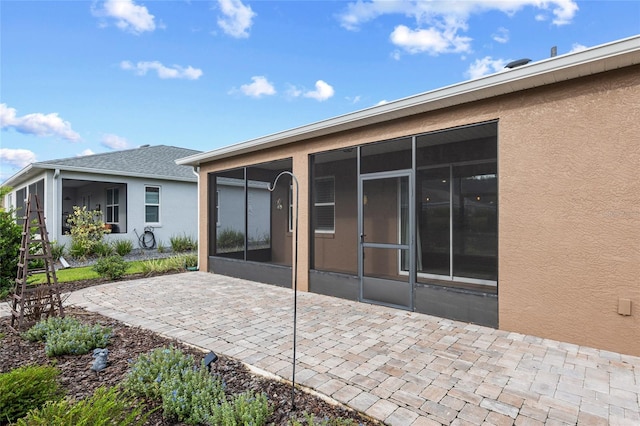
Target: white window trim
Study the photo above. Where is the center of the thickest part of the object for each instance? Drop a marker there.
(112, 205)
(152, 204)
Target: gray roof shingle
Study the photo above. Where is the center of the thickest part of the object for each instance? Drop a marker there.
(153, 161)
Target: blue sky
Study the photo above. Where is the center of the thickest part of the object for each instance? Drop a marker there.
(85, 77)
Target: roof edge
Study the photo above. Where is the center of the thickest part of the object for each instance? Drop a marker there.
(527, 76)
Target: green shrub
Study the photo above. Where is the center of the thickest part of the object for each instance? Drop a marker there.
(26, 388)
(104, 407)
(10, 239)
(161, 247)
(123, 247)
(68, 336)
(190, 394)
(111, 267)
(57, 250)
(79, 250)
(311, 420)
(229, 238)
(102, 248)
(169, 264)
(152, 266)
(190, 261)
(181, 244)
(243, 409)
(87, 229)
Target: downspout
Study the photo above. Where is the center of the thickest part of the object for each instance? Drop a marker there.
(196, 171)
(54, 203)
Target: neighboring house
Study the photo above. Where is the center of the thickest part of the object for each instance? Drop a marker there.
(511, 201)
(133, 189)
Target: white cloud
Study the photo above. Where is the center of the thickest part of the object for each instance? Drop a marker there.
(293, 91)
(439, 23)
(382, 102)
(260, 87)
(114, 142)
(164, 72)
(85, 153)
(577, 47)
(564, 11)
(501, 35)
(353, 100)
(323, 91)
(237, 18)
(433, 41)
(485, 66)
(17, 157)
(129, 16)
(37, 124)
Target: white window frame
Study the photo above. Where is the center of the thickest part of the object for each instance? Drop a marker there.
(332, 204)
(112, 205)
(152, 204)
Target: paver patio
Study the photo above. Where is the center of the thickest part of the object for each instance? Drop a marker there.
(400, 367)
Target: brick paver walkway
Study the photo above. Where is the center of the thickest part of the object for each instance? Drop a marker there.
(400, 367)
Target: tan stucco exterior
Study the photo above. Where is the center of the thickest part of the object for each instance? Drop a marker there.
(569, 202)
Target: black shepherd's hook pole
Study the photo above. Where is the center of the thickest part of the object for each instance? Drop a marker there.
(295, 285)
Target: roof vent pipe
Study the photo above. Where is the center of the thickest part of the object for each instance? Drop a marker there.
(518, 63)
(554, 51)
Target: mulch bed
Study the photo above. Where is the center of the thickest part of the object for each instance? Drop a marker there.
(128, 342)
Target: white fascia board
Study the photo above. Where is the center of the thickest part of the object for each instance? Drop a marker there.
(617, 54)
(19, 177)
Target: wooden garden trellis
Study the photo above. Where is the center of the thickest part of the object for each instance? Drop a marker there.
(33, 302)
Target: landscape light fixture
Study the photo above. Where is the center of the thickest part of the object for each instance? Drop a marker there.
(210, 359)
(271, 188)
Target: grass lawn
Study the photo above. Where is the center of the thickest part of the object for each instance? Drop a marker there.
(83, 273)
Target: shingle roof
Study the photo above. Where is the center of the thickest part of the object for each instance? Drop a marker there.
(153, 161)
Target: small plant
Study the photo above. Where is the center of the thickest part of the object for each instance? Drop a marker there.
(57, 250)
(242, 409)
(169, 264)
(123, 247)
(181, 244)
(26, 388)
(68, 336)
(112, 267)
(87, 229)
(78, 250)
(229, 239)
(190, 394)
(161, 247)
(102, 248)
(190, 261)
(104, 407)
(153, 266)
(311, 420)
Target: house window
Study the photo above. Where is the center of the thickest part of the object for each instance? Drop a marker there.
(113, 206)
(324, 204)
(152, 204)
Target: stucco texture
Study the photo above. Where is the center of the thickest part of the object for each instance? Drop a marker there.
(569, 236)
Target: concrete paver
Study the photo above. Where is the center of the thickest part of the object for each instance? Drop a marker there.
(400, 367)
